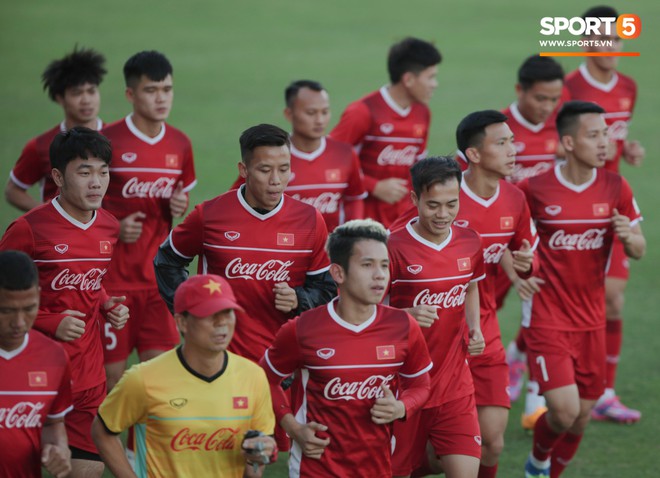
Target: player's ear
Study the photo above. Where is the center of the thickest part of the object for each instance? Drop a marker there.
(472, 154)
(567, 142)
(413, 197)
(288, 115)
(180, 322)
(130, 94)
(337, 273)
(59, 99)
(408, 78)
(58, 177)
(242, 169)
(519, 90)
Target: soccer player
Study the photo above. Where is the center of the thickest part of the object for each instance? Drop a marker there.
(192, 406)
(325, 172)
(35, 392)
(71, 240)
(351, 354)
(152, 172)
(435, 267)
(598, 80)
(579, 207)
(72, 82)
(390, 127)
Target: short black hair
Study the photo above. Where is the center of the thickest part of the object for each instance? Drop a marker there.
(411, 55)
(262, 135)
(341, 241)
(601, 11)
(472, 129)
(292, 90)
(17, 271)
(433, 170)
(152, 64)
(568, 117)
(77, 68)
(79, 142)
(539, 68)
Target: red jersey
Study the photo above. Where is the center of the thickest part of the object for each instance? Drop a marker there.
(326, 178)
(72, 259)
(144, 173)
(33, 165)
(617, 98)
(424, 273)
(390, 139)
(36, 385)
(536, 144)
(574, 226)
(254, 252)
(342, 369)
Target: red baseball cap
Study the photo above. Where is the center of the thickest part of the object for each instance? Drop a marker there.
(204, 295)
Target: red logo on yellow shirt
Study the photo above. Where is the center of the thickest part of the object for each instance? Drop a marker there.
(105, 247)
(506, 223)
(385, 352)
(464, 264)
(601, 209)
(240, 402)
(171, 160)
(37, 379)
(285, 239)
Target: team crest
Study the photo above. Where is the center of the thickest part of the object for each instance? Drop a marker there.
(462, 223)
(601, 209)
(105, 247)
(62, 248)
(129, 157)
(414, 269)
(553, 210)
(464, 264)
(37, 379)
(178, 403)
(385, 352)
(232, 235)
(332, 175)
(477, 439)
(172, 160)
(418, 130)
(325, 353)
(285, 239)
(387, 128)
(240, 402)
(506, 223)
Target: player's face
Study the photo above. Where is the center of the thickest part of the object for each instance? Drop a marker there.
(497, 153)
(18, 310)
(589, 145)
(152, 100)
(537, 103)
(209, 334)
(80, 103)
(368, 274)
(437, 208)
(82, 186)
(309, 114)
(266, 176)
(421, 85)
(604, 63)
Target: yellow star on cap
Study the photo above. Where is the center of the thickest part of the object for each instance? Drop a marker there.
(213, 286)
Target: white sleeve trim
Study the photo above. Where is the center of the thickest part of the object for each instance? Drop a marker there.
(421, 372)
(481, 277)
(634, 222)
(270, 365)
(356, 198)
(190, 186)
(176, 251)
(319, 271)
(18, 182)
(536, 244)
(61, 414)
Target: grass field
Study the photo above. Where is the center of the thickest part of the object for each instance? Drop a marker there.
(232, 60)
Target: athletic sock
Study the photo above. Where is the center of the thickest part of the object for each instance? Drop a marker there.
(520, 341)
(487, 471)
(613, 340)
(545, 439)
(563, 453)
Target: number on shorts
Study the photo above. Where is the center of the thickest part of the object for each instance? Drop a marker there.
(110, 334)
(541, 361)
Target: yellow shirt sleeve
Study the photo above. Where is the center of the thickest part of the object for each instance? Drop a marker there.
(126, 404)
(263, 418)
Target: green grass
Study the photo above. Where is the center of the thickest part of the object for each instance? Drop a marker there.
(232, 61)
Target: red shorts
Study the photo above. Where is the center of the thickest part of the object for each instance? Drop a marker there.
(451, 428)
(150, 327)
(619, 266)
(490, 374)
(78, 422)
(558, 358)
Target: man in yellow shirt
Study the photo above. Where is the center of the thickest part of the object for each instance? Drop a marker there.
(193, 405)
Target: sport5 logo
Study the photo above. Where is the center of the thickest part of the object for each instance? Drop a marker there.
(589, 240)
(390, 156)
(21, 415)
(454, 297)
(90, 280)
(493, 253)
(368, 388)
(220, 439)
(273, 270)
(159, 188)
(326, 202)
(627, 25)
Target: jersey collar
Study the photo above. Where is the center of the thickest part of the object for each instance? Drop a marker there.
(140, 135)
(99, 125)
(393, 104)
(309, 156)
(573, 187)
(517, 115)
(251, 210)
(81, 225)
(10, 355)
(606, 87)
(352, 327)
(478, 199)
(418, 238)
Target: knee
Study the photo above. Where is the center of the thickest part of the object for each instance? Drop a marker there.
(493, 447)
(563, 419)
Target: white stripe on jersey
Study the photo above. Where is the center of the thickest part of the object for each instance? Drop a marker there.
(423, 371)
(146, 170)
(19, 392)
(434, 278)
(234, 248)
(393, 139)
(366, 365)
(91, 259)
(317, 186)
(575, 221)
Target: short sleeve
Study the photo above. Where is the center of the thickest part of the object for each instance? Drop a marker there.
(263, 418)
(63, 401)
(355, 189)
(353, 125)
(18, 237)
(126, 404)
(284, 357)
(320, 262)
(478, 269)
(525, 229)
(627, 203)
(417, 361)
(29, 168)
(187, 238)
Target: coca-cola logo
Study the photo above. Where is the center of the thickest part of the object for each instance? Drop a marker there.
(22, 415)
(220, 439)
(521, 172)
(90, 280)
(618, 131)
(390, 156)
(454, 297)
(326, 202)
(160, 188)
(273, 270)
(367, 389)
(589, 240)
(493, 253)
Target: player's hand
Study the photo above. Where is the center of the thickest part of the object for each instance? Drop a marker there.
(71, 326)
(311, 444)
(633, 153)
(523, 257)
(621, 226)
(130, 228)
(526, 288)
(57, 460)
(476, 344)
(425, 315)
(258, 449)
(387, 408)
(115, 312)
(391, 190)
(178, 201)
(286, 299)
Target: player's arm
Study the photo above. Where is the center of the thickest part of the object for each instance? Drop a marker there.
(318, 289)
(19, 197)
(111, 450)
(171, 270)
(631, 236)
(55, 453)
(476, 343)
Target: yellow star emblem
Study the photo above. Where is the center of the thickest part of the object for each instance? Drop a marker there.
(213, 286)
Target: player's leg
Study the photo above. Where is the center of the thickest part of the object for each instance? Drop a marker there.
(409, 443)
(534, 402)
(492, 422)
(459, 466)
(85, 460)
(567, 447)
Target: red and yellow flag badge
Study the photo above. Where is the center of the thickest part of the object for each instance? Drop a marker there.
(105, 247)
(37, 379)
(240, 402)
(285, 239)
(385, 352)
(602, 209)
(172, 160)
(464, 264)
(506, 223)
(332, 175)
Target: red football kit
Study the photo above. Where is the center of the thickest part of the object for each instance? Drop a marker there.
(144, 173)
(33, 165)
(424, 273)
(574, 226)
(327, 178)
(254, 252)
(389, 140)
(72, 259)
(342, 367)
(36, 386)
